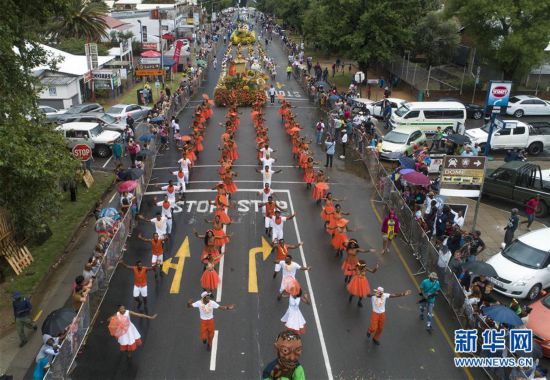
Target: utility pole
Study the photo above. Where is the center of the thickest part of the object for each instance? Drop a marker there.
(160, 46)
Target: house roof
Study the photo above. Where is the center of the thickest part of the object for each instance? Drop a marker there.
(69, 63)
(116, 24)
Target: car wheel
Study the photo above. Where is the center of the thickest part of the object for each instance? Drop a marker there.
(477, 115)
(103, 151)
(518, 113)
(535, 149)
(534, 292)
(542, 210)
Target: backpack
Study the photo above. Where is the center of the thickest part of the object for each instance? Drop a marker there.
(319, 126)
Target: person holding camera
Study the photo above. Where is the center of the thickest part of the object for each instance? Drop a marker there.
(47, 352)
(429, 288)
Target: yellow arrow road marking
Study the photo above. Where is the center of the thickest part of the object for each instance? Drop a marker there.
(183, 252)
(279, 85)
(265, 249)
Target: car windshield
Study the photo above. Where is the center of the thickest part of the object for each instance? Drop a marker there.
(96, 131)
(116, 110)
(108, 119)
(74, 110)
(486, 128)
(525, 255)
(402, 110)
(514, 99)
(396, 137)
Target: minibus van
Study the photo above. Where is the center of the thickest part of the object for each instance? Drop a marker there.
(427, 116)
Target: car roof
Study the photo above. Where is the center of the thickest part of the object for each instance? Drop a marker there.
(435, 105)
(537, 239)
(78, 126)
(406, 129)
(87, 114)
(363, 100)
(123, 105)
(395, 100)
(523, 97)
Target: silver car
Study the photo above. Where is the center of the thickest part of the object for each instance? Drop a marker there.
(121, 111)
(105, 120)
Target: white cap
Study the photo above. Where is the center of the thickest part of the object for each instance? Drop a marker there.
(204, 294)
(380, 289)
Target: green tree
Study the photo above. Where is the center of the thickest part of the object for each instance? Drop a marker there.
(511, 34)
(436, 38)
(76, 46)
(84, 20)
(33, 156)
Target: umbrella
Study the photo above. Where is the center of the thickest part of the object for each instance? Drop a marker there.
(104, 224)
(146, 137)
(481, 268)
(130, 174)
(459, 139)
(407, 162)
(57, 321)
(109, 212)
(406, 171)
(126, 186)
(158, 119)
(416, 178)
(201, 63)
(502, 314)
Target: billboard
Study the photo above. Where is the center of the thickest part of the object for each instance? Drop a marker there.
(498, 93)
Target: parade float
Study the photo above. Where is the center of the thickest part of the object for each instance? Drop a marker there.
(241, 70)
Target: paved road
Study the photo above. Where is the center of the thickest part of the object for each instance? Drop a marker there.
(334, 345)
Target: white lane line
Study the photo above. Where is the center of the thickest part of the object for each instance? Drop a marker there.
(113, 197)
(214, 351)
(311, 295)
(241, 181)
(220, 274)
(212, 191)
(107, 162)
(218, 165)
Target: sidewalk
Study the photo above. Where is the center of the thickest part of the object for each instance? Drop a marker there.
(16, 361)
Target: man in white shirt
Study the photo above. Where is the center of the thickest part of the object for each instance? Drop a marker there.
(160, 222)
(206, 311)
(266, 192)
(277, 223)
(180, 177)
(166, 208)
(171, 191)
(185, 165)
(458, 218)
(267, 160)
(289, 269)
(267, 173)
(378, 314)
(272, 93)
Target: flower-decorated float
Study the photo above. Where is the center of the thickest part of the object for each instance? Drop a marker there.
(241, 70)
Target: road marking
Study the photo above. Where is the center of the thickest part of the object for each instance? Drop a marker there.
(214, 351)
(242, 181)
(182, 254)
(37, 316)
(113, 197)
(265, 250)
(220, 274)
(212, 191)
(413, 279)
(218, 165)
(105, 164)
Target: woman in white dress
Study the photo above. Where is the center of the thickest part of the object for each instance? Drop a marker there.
(293, 318)
(124, 330)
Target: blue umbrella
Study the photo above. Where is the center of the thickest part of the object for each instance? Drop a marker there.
(109, 212)
(405, 171)
(146, 137)
(502, 314)
(407, 162)
(158, 119)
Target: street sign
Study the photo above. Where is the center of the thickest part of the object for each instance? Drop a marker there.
(149, 61)
(373, 81)
(498, 93)
(148, 72)
(359, 77)
(148, 67)
(149, 46)
(91, 55)
(462, 176)
(82, 152)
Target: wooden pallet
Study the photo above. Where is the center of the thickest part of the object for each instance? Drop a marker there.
(18, 256)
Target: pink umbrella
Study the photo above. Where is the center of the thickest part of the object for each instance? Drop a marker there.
(416, 178)
(150, 54)
(126, 186)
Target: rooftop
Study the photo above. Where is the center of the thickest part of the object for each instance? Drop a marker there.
(69, 63)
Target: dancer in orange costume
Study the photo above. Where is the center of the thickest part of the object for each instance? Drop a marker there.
(378, 314)
(350, 263)
(281, 249)
(328, 209)
(206, 308)
(221, 203)
(339, 236)
(210, 279)
(217, 227)
(321, 187)
(228, 183)
(333, 217)
(210, 247)
(359, 285)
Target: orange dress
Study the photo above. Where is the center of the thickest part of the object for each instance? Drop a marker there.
(320, 190)
(308, 175)
(210, 249)
(218, 232)
(327, 210)
(359, 285)
(350, 263)
(221, 204)
(339, 239)
(229, 185)
(210, 278)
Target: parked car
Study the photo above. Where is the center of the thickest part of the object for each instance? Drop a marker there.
(523, 267)
(120, 111)
(375, 109)
(92, 134)
(521, 105)
(50, 113)
(517, 182)
(539, 322)
(360, 105)
(473, 111)
(513, 135)
(106, 120)
(427, 116)
(401, 141)
(78, 109)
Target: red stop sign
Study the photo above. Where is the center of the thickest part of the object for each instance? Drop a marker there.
(82, 152)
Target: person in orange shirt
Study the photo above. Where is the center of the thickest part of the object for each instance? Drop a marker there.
(269, 208)
(140, 282)
(378, 314)
(281, 249)
(157, 248)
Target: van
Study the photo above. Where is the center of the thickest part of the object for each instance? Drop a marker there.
(427, 116)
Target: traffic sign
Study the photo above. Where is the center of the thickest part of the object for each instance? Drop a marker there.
(82, 152)
(147, 72)
(359, 77)
(373, 81)
(149, 61)
(462, 176)
(498, 93)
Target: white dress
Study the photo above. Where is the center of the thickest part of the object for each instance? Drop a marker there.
(293, 318)
(132, 338)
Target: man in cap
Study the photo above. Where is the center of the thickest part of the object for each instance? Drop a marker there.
(511, 227)
(206, 308)
(429, 288)
(22, 312)
(378, 314)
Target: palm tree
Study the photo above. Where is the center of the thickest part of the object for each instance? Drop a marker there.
(84, 20)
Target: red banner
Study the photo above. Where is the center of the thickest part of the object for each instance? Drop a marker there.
(177, 51)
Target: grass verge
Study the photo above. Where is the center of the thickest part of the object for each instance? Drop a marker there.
(62, 227)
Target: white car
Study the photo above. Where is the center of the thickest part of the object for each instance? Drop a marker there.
(521, 105)
(50, 113)
(523, 267)
(120, 111)
(375, 109)
(400, 141)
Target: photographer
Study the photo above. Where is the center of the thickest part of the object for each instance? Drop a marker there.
(49, 349)
(429, 288)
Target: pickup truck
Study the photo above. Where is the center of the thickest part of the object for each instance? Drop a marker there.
(518, 182)
(514, 135)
